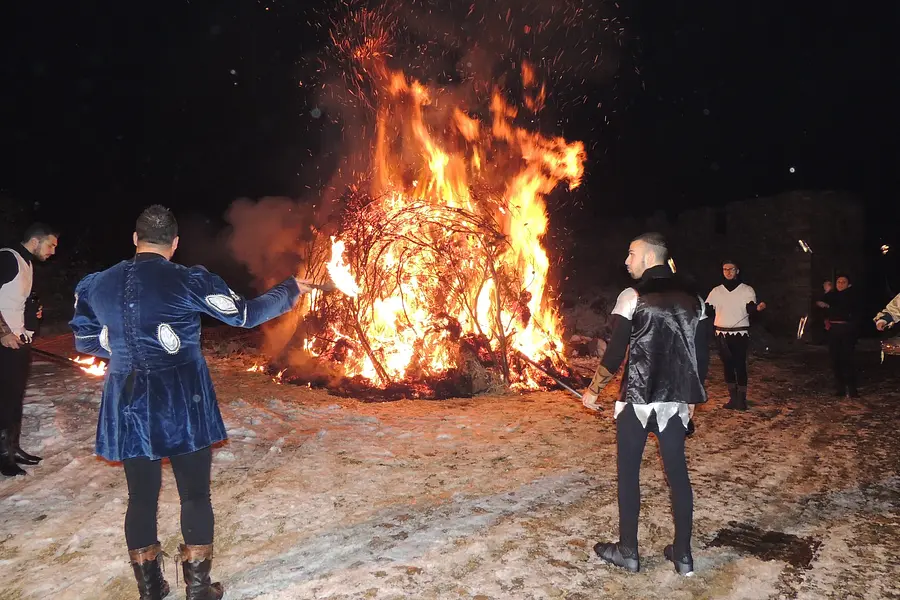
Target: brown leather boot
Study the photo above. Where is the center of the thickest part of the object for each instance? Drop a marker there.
(147, 566)
(196, 562)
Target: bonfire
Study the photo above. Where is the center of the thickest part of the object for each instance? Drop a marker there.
(439, 254)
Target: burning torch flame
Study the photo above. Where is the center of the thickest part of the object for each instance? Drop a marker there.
(805, 247)
(339, 271)
(672, 265)
(801, 327)
(885, 248)
(89, 366)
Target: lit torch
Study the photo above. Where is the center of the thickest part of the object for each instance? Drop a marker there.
(801, 327)
(885, 248)
(88, 364)
(805, 247)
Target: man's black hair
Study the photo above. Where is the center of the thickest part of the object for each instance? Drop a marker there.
(156, 225)
(39, 231)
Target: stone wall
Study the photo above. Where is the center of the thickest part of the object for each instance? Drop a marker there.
(763, 235)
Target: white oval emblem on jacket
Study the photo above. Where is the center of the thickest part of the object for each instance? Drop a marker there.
(222, 303)
(104, 339)
(170, 342)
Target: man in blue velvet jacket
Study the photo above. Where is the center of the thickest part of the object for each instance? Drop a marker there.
(143, 314)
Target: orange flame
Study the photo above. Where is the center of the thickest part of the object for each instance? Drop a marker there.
(339, 271)
(258, 368)
(91, 365)
(455, 234)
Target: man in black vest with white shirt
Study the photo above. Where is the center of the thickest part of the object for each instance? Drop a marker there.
(17, 326)
(661, 324)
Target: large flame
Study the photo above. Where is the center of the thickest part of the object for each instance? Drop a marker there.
(450, 242)
(339, 271)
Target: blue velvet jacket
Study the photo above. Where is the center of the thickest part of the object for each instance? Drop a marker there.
(143, 315)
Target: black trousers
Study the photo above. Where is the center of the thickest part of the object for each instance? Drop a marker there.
(144, 476)
(630, 440)
(842, 347)
(15, 365)
(733, 352)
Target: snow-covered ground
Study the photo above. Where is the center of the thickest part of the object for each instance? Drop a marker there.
(493, 497)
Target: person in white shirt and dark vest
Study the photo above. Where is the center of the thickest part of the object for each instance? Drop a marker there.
(734, 302)
(661, 324)
(143, 315)
(18, 323)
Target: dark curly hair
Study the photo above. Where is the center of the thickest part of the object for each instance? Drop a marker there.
(156, 225)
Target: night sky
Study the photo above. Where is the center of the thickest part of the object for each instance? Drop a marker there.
(115, 105)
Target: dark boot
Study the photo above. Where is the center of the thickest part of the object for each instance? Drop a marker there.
(618, 555)
(196, 562)
(733, 396)
(852, 390)
(684, 564)
(742, 397)
(147, 566)
(840, 386)
(22, 457)
(8, 466)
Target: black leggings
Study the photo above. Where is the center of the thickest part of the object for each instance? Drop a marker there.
(14, 368)
(733, 352)
(631, 438)
(842, 346)
(144, 476)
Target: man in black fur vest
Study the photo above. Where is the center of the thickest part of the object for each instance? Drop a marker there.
(662, 325)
